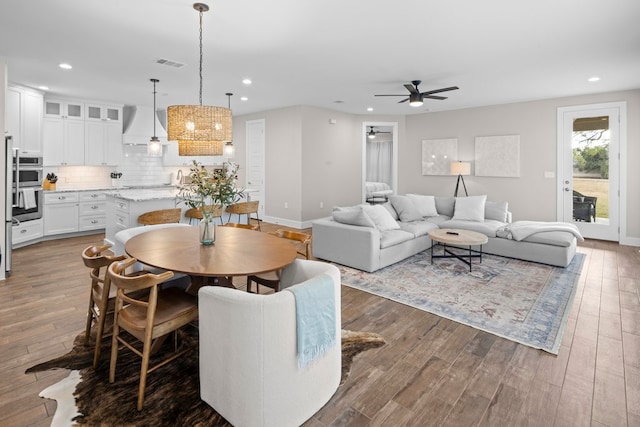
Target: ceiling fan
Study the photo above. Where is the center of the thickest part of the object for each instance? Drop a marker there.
(416, 97)
(372, 133)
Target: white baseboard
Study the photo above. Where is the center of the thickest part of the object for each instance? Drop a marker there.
(289, 223)
(630, 241)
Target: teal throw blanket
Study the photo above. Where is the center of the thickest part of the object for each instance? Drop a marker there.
(315, 318)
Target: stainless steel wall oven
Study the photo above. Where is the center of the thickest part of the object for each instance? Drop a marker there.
(27, 197)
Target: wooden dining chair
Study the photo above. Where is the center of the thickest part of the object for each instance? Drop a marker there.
(272, 278)
(245, 226)
(196, 213)
(101, 299)
(162, 216)
(244, 208)
(147, 320)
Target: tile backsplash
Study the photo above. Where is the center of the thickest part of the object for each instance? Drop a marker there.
(137, 168)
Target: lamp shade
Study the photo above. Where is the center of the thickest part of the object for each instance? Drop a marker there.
(200, 130)
(460, 168)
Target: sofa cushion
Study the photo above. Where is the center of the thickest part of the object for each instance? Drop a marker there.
(553, 238)
(419, 228)
(394, 237)
(426, 204)
(352, 215)
(381, 217)
(407, 210)
(488, 227)
(437, 220)
(469, 208)
(496, 210)
(445, 205)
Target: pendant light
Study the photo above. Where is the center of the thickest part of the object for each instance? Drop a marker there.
(154, 148)
(229, 149)
(200, 130)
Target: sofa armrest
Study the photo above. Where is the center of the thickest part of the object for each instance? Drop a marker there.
(345, 244)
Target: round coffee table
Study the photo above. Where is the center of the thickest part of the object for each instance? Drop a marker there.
(457, 237)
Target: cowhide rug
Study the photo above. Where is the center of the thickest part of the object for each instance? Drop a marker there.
(172, 394)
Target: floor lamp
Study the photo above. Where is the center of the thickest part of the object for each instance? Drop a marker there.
(460, 169)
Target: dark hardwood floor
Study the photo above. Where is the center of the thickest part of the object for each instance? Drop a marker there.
(431, 372)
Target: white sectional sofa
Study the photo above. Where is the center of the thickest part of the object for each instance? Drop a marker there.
(370, 237)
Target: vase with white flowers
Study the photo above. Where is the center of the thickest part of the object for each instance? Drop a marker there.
(210, 189)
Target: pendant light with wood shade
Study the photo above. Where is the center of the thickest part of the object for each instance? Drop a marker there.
(200, 130)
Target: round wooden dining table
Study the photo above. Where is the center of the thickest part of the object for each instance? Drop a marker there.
(236, 252)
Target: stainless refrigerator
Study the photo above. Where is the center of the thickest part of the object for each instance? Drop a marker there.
(8, 202)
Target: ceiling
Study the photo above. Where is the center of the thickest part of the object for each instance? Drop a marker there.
(329, 54)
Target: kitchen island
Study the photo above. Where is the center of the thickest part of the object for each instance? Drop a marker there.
(123, 206)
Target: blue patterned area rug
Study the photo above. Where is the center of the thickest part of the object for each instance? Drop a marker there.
(522, 301)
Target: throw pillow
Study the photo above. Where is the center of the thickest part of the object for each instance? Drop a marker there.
(426, 204)
(381, 217)
(407, 210)
(388, 206)
(352, 215)
(496, 211)
(470, 208)
(445, 205)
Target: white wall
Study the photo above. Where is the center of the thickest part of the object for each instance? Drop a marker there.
(3, 154)
(531, 196)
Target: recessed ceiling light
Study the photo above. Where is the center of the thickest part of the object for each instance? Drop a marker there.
(370, 109)
(246, 81)
(244, 98)
(43, 87)
(65, 66)
(593, 79)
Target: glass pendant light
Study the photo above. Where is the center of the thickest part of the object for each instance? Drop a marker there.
(154, 148)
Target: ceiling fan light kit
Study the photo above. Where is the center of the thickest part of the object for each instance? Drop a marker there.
(200, 130)
(415, 100)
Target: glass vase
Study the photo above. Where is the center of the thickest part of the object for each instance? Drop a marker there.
(207, 230)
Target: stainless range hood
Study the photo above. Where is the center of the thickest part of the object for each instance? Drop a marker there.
(138, 125)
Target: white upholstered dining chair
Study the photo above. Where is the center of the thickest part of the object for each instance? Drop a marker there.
(248, 352)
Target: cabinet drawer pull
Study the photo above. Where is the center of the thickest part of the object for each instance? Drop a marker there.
(94, 207)
(94, 221)
(23, 231)
(94, 195)
(61, 197)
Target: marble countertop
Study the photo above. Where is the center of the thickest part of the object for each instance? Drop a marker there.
(142, 194)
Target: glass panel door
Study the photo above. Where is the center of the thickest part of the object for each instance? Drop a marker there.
(589, 172)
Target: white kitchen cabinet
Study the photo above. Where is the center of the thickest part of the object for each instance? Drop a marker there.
(24, 119)
(63, 109)
(63, 142)
(25, 232)
(123, 213)
(170, 157)
(102, 112)
(74, 211)
(92, 210)
(60, 213)
(103, 143)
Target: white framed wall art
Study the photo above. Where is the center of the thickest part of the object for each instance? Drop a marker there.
(437, 155)
(498, 156)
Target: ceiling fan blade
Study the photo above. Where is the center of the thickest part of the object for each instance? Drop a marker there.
(435, 97)
(444, 89)
(411, 88)
(391, 95)
(404, 100)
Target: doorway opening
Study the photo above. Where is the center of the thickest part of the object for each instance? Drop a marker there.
(379, 161)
